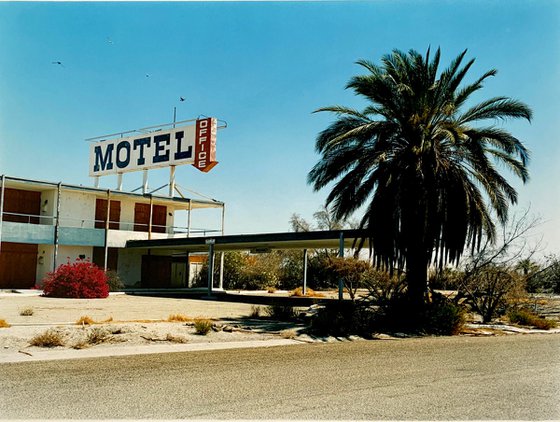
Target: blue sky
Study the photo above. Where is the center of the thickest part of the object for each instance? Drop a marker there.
(263, 67)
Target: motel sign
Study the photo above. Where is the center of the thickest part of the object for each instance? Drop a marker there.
(194, 144)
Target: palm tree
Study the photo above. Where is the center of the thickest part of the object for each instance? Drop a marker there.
(414, 157)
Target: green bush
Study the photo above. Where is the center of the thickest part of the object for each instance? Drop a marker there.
(526, 317)
(281, 312)
(341, 319)
(114, 281)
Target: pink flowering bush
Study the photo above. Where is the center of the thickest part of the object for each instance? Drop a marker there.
(81, 279)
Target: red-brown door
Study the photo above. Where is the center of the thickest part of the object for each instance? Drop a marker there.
(141, 217)
(22, 206)
(159, 218)
(112, 257)
(18, 265)
(101, 214)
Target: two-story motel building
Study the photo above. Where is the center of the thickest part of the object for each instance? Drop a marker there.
(44, 224)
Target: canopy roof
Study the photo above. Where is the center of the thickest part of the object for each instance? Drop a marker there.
(262, 242)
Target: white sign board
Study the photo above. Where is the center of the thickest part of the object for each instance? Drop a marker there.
(195, 144)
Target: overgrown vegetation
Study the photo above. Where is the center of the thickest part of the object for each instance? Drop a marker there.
(4, 323)
(85, 320)
(282, 312)
(114, 281)
(202, 326)
(523, 316)
(178, 318)
(81, 279)
(27, 311)
(50, 338)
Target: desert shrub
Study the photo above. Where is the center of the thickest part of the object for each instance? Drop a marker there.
(546, 279)
(4, 324)
(178, 318)
(443, 317)
(353, 272)
(298, 292)
(445, 278)
(97, 335)
(281, 312)
(176, 339)
(255, 311)
(50, 338)
(81, 279)
(85, 320)
(27, 311)
(383, 288)
(491, 290)
(202, 326)
(114, 281)
(523, 316)
(341, 319)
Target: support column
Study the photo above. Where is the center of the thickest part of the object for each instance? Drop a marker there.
(341, 255)
(189, 219)
(305, 272)
(2, 208)
(96, 181)
(221, 285)
(119, 181)
(150, 220)
(210, 243)
(56, 228)
(106, 251)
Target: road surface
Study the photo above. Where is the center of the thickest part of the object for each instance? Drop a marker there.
(508, 377)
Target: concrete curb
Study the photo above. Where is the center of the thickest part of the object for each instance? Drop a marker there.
(64, 354)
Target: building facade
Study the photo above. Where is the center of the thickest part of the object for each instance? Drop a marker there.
(44, 225)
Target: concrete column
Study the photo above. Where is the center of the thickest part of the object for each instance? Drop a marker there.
(304, 272)
(2, 208)
(210, 243)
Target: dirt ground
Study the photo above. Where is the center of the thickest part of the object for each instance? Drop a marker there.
(123, 320)
(128, 324)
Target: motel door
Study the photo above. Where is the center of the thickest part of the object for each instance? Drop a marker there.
(142, 218)
(18, 265)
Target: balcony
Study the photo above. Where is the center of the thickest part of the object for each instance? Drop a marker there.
(40, 229)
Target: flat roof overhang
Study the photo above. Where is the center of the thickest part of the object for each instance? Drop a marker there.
(262, 242)
(177, 202)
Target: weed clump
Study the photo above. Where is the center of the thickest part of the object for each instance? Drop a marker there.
(298, 292)
(85, 320)
(526, 317)
(27, 311)
(255, 311)
(202, 326)
(178, 318)
(176, 339)
(4, 324)
(50, 338)
(282, 312)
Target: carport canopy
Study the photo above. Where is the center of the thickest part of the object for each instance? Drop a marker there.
(259, 243)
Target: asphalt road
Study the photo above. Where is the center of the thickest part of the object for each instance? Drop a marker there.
(509, 377)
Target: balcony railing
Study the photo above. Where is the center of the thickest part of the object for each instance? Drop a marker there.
(50, 220)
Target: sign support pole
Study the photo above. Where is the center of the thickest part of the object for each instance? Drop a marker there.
(171, 180)
(145, 182)
(119, 182)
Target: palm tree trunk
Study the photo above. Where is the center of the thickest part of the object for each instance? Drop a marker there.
(417, 278)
